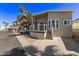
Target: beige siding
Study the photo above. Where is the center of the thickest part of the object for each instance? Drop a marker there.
(62, 29)
(75, 25)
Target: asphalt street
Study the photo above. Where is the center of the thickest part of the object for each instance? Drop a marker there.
(8, 41)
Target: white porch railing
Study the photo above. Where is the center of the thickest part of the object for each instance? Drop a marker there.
(39, 27)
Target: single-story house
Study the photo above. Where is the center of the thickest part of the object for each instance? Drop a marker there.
(48, 24)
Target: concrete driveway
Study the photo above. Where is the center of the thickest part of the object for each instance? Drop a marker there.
(71, 44)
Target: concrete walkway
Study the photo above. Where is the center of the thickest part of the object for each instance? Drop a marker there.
(58, 42)
(55, 42)
(41, 44)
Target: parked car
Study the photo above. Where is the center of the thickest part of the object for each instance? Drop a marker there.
(24, 31)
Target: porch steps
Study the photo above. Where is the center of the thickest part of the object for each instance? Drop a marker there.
(49, 35)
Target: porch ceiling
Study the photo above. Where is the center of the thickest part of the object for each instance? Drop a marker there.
(41, 15)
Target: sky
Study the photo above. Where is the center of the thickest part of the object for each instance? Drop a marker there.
(9, 11)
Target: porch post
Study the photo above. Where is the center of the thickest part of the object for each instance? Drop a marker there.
(33, 27)
(44, 27)
(52, 31)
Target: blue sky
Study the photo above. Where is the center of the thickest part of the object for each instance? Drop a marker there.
(9, 11)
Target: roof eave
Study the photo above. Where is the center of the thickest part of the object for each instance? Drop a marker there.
(53, 11)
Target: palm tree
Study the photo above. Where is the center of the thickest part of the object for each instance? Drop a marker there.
(14, 23)
(5, 24)
(28, 16)
(22, 10)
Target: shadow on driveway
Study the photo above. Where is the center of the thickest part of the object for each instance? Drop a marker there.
(71, 44)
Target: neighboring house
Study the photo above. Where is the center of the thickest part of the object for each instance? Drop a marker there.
(75, 24)
(75, 28)
(48, 24)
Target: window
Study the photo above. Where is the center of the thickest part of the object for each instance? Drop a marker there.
(67, 22)
(41, 26)
(53, 23)
(36, 25)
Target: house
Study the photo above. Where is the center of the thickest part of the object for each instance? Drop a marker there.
(48, 24)
(75, 24)
(75, 28)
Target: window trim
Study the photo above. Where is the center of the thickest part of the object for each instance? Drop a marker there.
(49, 24)
(67, 23)
(56, 23)
(55, 20)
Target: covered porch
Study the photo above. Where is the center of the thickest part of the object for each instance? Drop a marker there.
(39, 27)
